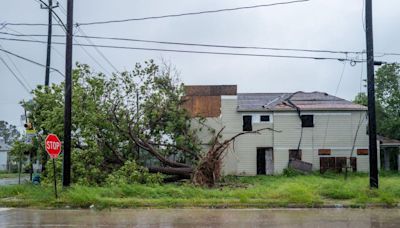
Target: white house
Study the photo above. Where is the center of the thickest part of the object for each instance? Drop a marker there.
(4, 150)
(315, 127)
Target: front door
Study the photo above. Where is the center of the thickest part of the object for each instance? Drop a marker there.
(265, 161)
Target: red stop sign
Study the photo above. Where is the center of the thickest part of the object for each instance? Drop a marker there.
(53, 145)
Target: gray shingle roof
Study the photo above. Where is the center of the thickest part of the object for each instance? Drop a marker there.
(303, 100)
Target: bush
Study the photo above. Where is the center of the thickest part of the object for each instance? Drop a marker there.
(290, 172)
(131, 173)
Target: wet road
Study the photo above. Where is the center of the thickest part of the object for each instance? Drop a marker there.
(12, 181)
(306, 218)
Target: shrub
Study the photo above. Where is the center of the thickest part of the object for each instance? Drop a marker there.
(131, 173)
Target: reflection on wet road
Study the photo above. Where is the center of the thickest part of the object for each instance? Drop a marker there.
(202, 218)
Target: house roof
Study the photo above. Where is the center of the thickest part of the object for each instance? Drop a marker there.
(284, 101)
(388, 142)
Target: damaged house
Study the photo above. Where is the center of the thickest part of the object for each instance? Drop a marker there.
(321, 131)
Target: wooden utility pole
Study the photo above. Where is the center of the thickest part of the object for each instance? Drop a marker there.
(373, 153)
(68, 97)
(50, 7)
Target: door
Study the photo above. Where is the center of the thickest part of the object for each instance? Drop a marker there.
(265, 161)
(261, 164)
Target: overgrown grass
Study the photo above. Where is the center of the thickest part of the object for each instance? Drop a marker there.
(260, 191)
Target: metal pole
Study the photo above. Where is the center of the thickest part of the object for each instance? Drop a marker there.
(68, 98)
(373, 154)
(55, 178)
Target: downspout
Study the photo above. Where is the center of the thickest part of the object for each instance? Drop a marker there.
(299, 115)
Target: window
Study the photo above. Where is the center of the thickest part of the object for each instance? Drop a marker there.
(307, 120)
(264, 118)
(294, 155)
(247, 125)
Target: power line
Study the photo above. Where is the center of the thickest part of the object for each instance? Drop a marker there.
(381, 54)
(15, 75)
(31, 61)
(199, 44)
(32, 38)
(196, 52)
(190, 13)
(18, 70)
(164, 16)
(98, 51)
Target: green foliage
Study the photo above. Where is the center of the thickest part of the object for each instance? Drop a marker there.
(131, 173)
(290, 172)
(387, 93)
(110, 114)
(8, 132)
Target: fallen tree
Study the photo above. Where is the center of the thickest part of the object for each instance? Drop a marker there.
(130, 116)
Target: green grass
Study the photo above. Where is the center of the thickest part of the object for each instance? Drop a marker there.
(237, 192)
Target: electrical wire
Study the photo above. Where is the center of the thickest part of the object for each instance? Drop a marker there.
(197, 52)
(336, 91)
(98, 51)
(198, 44)
(32, 38)
(165, 16)
(381, 54)
(15, 75)
(18, 70)
(31, 61)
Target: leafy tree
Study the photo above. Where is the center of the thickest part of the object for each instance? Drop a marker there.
(388, 95)
(8, 132)
(387, 100)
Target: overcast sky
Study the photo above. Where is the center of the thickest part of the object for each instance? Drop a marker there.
(317, 24)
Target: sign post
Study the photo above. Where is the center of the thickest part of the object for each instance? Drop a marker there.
(53, 148)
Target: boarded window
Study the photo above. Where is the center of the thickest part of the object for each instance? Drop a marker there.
(264, 118)
(336, 164)
(294, 155)
(247, 125)
(324, 152)
(307, 120)
(362, 151)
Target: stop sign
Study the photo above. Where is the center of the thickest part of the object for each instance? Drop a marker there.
(53, 145)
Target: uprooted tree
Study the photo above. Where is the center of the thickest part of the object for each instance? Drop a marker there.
(130, 116)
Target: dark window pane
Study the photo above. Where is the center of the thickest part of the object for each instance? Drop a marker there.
(247, 125)
(307, 120)
(294, 155)
(264, 118)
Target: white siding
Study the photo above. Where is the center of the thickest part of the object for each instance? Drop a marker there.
(333, 130)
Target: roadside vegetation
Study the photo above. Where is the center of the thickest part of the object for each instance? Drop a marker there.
(233, 192)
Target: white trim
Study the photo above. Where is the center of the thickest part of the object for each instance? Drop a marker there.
(228, 97)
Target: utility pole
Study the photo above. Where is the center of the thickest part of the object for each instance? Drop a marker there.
(50, 7)
(68, 97)
(373, 154)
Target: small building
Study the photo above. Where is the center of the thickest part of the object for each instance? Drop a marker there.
(319, 129)
(4, 151)
(390, 153)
